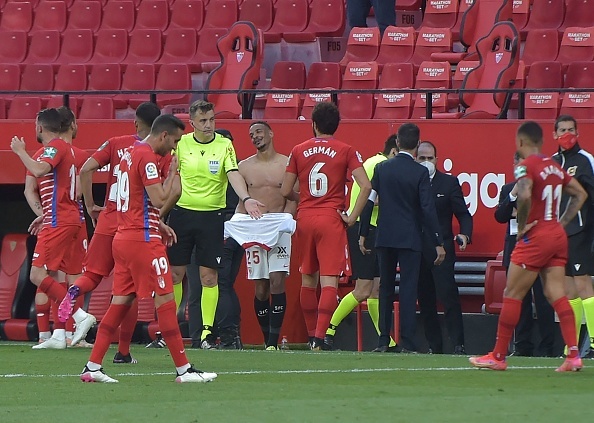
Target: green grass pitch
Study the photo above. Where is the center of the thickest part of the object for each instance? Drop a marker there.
(292, 386)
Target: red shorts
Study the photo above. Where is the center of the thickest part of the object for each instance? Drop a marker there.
(323, 245)
(99, 259)
(57, 248)
(542, 247)
(79, 248)
(141, 268)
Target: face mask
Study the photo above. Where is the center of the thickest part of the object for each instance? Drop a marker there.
(430, 167)
(567, 140)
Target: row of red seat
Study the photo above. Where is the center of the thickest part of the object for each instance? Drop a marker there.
(299, 19)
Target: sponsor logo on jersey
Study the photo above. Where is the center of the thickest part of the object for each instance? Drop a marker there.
(520, 172)
(151, 171)
(49, 152)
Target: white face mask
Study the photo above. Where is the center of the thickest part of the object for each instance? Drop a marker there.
(430, 167)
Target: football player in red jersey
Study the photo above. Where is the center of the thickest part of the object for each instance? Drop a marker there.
(541, 246)
(322, 165)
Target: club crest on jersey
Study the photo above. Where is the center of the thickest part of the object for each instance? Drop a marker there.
(151, 171)
(161, 282)
(50, 152)
(572, 170)
(213, 166)
(520, 172)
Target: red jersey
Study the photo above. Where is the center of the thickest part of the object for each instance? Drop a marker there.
(109, 154)
(548, 180)
(323, 166)
(57, 189)
(138, 219)
(80, 157)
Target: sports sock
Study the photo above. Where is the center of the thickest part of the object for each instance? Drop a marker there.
(278, 304)
(309, 307)
(567, 325)
(110, 322)
(508, 319)
(178, 293)
(127, 328)
(87, 282)
(210, 298)
(52, 288)
(263, 314)
(325, 309)
(43, 317)
(578, 311)
(78, 303)
(588, 304)
(167, 317)
(373, 309)
(346, 305)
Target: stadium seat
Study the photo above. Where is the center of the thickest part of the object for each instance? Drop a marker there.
(119, 15)
(258, 12)
(311, 99)
(541, 105)
(220, 14)
(180, 46)
(58, 101)
(145, 46)
(85, 15)
(172, 77)
(10, 80)
(577, 45)
(462, 69)
(44, 47)
(137, 76)
(17, 16)
(37, 77)
(136, 3)
(521, 14)
(545, 14)
(323, 75)
(397, 46)
(105, 77)
(2, 108)
(96, 108)
(393, 106)
(152, 14)
(186, 14)
(462, 8)
(207, 56)
(397, 75)
(71, 78)
(579, 105)
(290, 16)
(440, 14)
(50, 15)
(495, 281)
(545, 75)
(24, 107)
(281, 106)
(542, 45)
(479, 19)
(288, 75)
(358, 75)
(362, 46)
(13, 46)
(429, 41)
(327, 19)
(579, 75)
(77, 46)
(578, 13)
(432, 75)
(34, 3)
(111, 46)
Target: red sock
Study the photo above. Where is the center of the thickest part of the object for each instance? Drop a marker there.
(309, 307)
(88, 281)
(325, 310)
(567, 325)
(127, 329)
(52, 289)
(508, 319)
(43, 316)
(110, 322)
(80, 301)
(167, 317)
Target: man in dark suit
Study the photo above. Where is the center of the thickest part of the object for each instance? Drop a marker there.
(523, 346)
(438, 282)
(406, 206)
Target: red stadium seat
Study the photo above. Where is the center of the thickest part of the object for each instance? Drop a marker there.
(180, 46)
(258, 12)
(111, 46)
(462, 8)
(397, 75)
(56, 101)
(409, 4)
(220, 14)
(136, 77)
(288, 75)
(207, 56)
(17, 16)
(520, 15)
(542, 45)
(440, 14)
(10, 80)
(13, 46)
(495, 281)
(24, 108)
(579, 105)
(545, 75)
(37, 78)
(281, 106)
(44, 47)
(541, 105)
(173, 77)
(432, 75)
(327, 19)
(289, 16)
(34, 3)
(85, 15)
(579, 75)
(393, 106)
(578, 13)
(50, 15)
(577, 45)
(462, 69)
(397, 46)
(119, 15)
(2, 108)
(545, 14)
(71, 78)
(479, 19)
(97, 108)
(105, 77)
(311, 100)
(153, 14)
(323, 75)
(429, 41)
(77, 46)
(358, 75)
(362, 46)
(187, 14)
(145, 46)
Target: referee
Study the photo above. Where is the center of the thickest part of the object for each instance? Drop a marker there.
(207, 162)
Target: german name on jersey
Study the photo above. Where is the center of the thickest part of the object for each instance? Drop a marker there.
(548, 180)
(138, 219)
(322, 166)
(108, 156)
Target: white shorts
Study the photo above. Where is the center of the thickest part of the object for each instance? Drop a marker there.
(260, 262)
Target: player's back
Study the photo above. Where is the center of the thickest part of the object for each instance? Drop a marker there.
(323, 166)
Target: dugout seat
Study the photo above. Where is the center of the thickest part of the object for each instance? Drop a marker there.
(578, 13)
(288, 75)
(431, 41)
(50, 15)
(327, 19)
(241, 51)
(397, 45)
(152, 14)
(119, 15)
(172, 76)
(495, 281)
(323, 74)
(358, 75)
(180, 46)
(543, 105)
(577, 45)
(545, 14)
(137, 77)
(97, 108)
(432, 75)
(290, 16)
(542, 45)
(362, 46)
(13, 46)
(85, 15)
(186, 14)
(221, 14)
(440, 14)
(479, 19)
(395, 105)
(310, 101)
(17, 16)
(281, 106)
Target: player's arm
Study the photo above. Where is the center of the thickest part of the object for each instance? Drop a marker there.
(288, 187)
(251, 205)
(360, 176)
(291, 206)
(577, 198)
(523, 202)
(38, 169)
(32, 195)
(176, 191)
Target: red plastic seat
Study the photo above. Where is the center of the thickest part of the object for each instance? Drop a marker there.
(207, 56)
(397, 46)
(56, 101)
(462, 69)
(24, 107)
(85, 15)
(111, 46)
(180, 46)
(495, 282)
(541, 105)
(281, 106)
(290, 16)
(362, 46)
(579, 105)
(440, 14)
(34, 3)
(545, 75)
(71, 78)
(10, 80)
(578, 13)
(105, 77)
(432, 75)
(37, 77)
(429, 41)
(545, 14)
(145, 46)
(409, 4)
(327, 19)
(17, 16)
(13, 46)
(119, 15)
(397, 75)
(136, 77)
(153, 14)
(479, 19)
(187, 14)
(44, 47)
(323, 75)
(542, 45)
(462, 8)
(520, 15)
(50, 15)
(258, 12)
(172, 77)
(77, 46)
(577, 45)
(288, 75)
(220, 14)
(97, 108)
(393, 106)
(358, 75)
(579, 75)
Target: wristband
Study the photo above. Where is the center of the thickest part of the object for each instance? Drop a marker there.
(245, 199)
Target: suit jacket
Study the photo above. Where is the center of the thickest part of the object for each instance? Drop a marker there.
(406, 204)
(449, 202)
(503, 214)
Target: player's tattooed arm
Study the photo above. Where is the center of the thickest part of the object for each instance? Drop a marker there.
(32, 195)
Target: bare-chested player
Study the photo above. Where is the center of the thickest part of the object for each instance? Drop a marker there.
(267, 241)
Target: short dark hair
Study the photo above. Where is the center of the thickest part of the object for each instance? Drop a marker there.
(326, 117)
(50, 120)
(432, 146)
(408, 136)
(68, 117)
(390, 144)
(532, 131)
(565, 118)
(224, 133)
(517, 157)
(167, 123)
(261, 122)
(148, 112)
(200, 105)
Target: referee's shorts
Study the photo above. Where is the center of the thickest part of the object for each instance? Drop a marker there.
(580, 259)
(363, 266)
